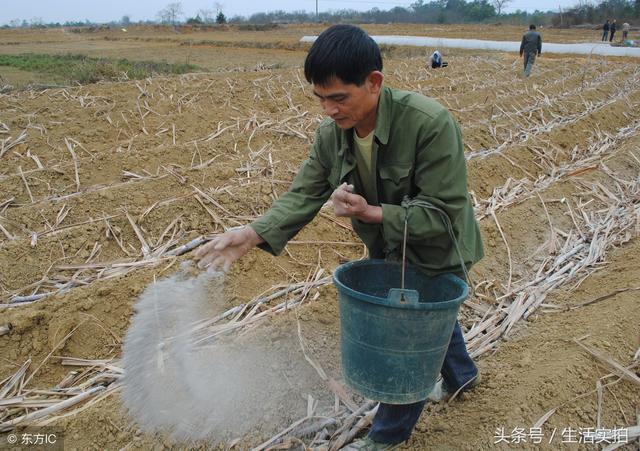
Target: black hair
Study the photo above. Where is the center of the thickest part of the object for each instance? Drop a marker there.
(532, 27)
(345, 52)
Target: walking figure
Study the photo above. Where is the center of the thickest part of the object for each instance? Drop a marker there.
(530, 46)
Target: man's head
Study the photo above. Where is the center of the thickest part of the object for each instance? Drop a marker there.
(345, 52)
(532, 27)
(344, 65)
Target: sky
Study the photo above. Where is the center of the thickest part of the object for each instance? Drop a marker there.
(105, 11)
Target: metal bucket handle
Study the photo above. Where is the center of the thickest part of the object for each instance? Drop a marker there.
(412, 296)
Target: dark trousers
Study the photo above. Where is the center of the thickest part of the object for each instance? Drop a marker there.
(611, 36)
(394, 422)
(529, 59)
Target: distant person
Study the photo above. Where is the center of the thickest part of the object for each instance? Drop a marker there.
(605, 30)
(435, 60)
(530, 46)
(625, 31)
(612, 29)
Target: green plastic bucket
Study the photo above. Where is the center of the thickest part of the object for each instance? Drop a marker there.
(394, 341)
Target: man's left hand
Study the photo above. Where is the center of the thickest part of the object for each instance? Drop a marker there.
(350, 205)
(347, 204)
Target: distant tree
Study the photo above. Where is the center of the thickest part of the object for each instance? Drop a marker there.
(220, 17)
(171, 13)
(125, 21)
(36, 22)
(15, 23)
(479, 10)
(206, 15)
(499, 5)
(195, 20)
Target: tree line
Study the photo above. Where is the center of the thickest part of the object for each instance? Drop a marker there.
(431, 12)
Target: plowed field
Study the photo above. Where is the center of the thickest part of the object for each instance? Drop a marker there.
(99, 183)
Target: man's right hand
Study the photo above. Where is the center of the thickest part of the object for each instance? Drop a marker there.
(226, 248)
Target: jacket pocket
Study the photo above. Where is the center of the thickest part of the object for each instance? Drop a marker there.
(395, 173)
(396, 182)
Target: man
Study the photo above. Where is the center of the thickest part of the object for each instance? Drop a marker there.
(605, 30)
(378, 147)
(625, 31)
(612, 29)
(530, 46)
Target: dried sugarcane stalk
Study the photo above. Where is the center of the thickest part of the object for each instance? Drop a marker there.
(611, 363)
(30, 417)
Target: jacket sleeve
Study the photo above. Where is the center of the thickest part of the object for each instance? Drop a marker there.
(522, 46)
(440, 179)
(539, 45)
(298, 206)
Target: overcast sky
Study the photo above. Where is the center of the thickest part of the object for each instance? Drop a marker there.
(105, 11)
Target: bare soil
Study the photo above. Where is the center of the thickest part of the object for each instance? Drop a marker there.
(148, 149)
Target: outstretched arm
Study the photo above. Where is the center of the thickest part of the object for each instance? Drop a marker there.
(225, 249)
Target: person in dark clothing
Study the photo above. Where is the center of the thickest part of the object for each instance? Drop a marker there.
(435, 60)
(530, 46)
(605, 30)
(612, 30)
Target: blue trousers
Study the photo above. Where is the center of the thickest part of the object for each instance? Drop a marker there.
(394, 422)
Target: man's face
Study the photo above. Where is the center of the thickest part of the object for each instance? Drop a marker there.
(350, 105)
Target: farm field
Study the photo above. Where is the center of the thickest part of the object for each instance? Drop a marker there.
(99, 184)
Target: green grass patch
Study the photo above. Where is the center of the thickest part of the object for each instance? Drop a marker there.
(82, 69)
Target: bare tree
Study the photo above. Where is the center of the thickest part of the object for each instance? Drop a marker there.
(206, 15)
(218, 7)
(36, 22)
(171, 13)
(499, 5)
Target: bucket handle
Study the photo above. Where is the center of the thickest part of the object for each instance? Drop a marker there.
(406, 203)
(404, 252)
(402, 296)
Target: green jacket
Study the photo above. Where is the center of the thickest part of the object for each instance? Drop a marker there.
(417, 153)
(531, 43)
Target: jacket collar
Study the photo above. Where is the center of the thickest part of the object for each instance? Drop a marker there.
(383, 118)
